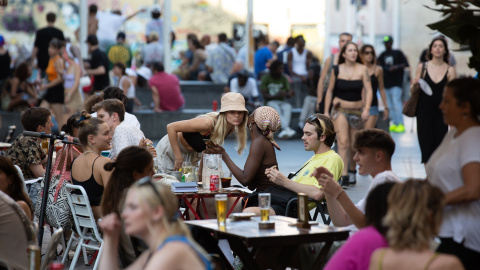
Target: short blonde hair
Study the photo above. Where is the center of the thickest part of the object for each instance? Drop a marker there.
(415, 211)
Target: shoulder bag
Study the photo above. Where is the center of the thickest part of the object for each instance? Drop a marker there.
(410, 107)
(57, 213)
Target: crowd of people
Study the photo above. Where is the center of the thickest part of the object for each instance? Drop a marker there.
(393, 226)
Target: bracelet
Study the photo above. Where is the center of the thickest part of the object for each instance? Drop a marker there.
(367, 107)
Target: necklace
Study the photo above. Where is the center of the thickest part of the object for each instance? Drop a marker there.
(86, 152)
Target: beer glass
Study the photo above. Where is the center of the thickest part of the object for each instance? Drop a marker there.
(221, 206)
(264, 204)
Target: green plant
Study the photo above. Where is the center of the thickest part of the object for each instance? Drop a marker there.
(461, 23)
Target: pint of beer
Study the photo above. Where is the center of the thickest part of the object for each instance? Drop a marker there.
(221, 206)
(264, 204)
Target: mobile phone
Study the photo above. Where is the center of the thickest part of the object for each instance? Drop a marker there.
(209, 142)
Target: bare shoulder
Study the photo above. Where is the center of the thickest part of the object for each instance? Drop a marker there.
(375, 258)
(101, 160)
(378, 69)
(446, 262)
(174, 255)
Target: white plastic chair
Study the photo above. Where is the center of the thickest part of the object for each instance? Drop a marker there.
(84, 222)
(51, 253)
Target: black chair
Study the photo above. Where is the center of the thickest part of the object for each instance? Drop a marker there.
(320, 209)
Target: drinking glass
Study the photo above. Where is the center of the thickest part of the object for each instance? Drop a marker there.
(187, 170)
(226, 179)
(221, 207)
(156, 163)
(264, 204)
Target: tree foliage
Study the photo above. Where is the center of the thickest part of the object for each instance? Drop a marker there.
(461, 23)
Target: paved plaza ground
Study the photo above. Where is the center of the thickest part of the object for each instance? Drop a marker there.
(405, 163)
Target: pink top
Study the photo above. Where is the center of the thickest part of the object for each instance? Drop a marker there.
(357, 250)
(168, 87)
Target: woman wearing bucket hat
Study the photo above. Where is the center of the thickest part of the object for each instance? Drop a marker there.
(185, 139)
(262, 124)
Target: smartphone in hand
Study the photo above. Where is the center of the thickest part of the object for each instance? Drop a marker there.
(209, 142)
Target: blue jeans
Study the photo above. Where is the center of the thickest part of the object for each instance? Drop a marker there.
(395, 105)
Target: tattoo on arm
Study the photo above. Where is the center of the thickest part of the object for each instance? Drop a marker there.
(366, 74)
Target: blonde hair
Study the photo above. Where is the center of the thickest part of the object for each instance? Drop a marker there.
(171, 220)
(415, 211)
(219, 131)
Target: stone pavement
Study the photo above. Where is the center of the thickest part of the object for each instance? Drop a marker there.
(405, 163)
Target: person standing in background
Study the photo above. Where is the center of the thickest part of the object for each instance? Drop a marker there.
(430, 125)
(393, 63)
(5, 61)
(299, 59)
(156, 26)
(98, 65)
(42, 41)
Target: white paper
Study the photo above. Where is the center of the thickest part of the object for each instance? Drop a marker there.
(425, 87)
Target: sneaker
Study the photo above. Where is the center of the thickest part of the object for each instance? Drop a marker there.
(392, 128)
(399, 129)
(283, 134)
(291, 132)
(352, 178)
(344, 182)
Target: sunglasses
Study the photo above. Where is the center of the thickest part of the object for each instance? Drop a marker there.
(311, 119)
(147, 181)
(368, 52)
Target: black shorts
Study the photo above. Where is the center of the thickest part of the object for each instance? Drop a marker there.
(55, 94)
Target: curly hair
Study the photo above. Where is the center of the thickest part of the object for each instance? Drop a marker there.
(415, 211)
(91, 101)
(375, 138)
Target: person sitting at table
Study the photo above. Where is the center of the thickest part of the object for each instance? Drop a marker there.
(87, 170)
(185, 139)
(415, 210)
(25, 151)
(112, 111)
(262, 124)
(374, 151)
(318, 136)
(132, 164)
(355, 253)
(12, 185)
(151, 214)
(16, 234)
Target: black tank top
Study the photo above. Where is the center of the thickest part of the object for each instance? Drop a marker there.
(195, 140)
(260, 180)
(93, 189)
(346, 89)
(374, 81)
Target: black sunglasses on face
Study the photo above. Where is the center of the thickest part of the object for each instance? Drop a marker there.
(367, 52)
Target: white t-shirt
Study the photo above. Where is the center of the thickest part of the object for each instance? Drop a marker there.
(379, 179)
(125, 135)
(131, 90)
(248, 91)
(444, 170)
(129, 119)
(109, 25)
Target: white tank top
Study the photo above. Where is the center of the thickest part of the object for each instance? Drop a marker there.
(131, 89)
(299, 62)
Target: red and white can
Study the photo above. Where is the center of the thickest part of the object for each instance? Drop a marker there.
(214, 182)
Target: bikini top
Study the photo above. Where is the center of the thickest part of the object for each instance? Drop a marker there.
(349, 90)
(93, 189)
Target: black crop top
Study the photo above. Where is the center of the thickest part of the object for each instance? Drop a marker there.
(195, 140)
(93, 189)
(348, 90)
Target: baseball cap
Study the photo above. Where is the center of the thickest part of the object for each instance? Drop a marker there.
(121, 35)
(387, 39)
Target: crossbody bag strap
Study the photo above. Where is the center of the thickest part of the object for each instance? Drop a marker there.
(295, 174)
(66, 149)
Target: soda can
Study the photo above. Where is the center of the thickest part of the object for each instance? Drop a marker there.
(34, 257)
(214, 182)
(55, 266)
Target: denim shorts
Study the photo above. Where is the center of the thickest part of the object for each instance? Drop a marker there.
(374, 110)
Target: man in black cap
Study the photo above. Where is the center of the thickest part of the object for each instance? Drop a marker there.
(393, 63)
(119, 52)
(98, 65)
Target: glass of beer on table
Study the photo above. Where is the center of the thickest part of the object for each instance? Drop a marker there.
(221, 206)
(264, 204)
